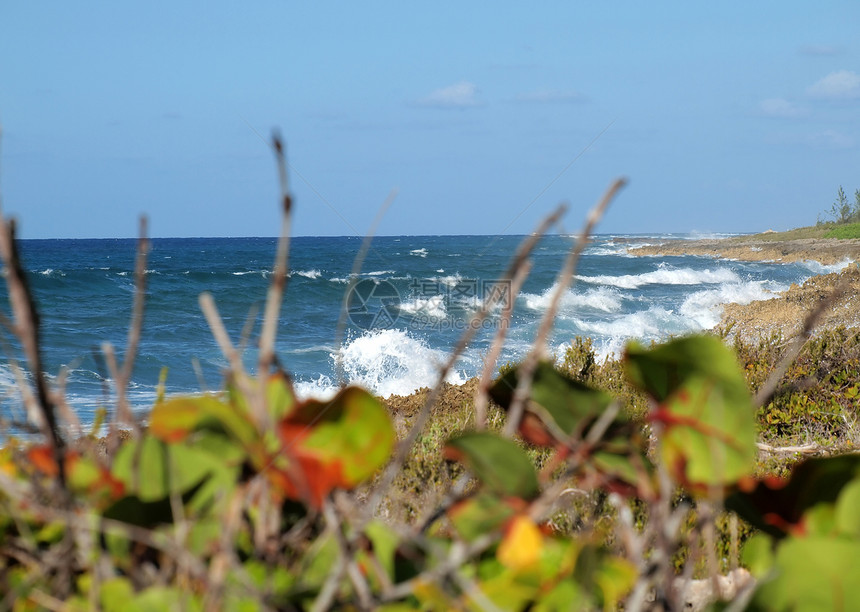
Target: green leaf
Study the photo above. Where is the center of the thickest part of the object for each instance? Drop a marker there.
(115, 593)
(383, 542)
(499, 463)
(152, 470)
(566, 595)
(480, 514)
(777, 506)
(564, 406)
(280, 396)
(848, 510)
(339, 443)
(758, 554)
(158, 599)
(703, 404)
(663, 369)
(175, 419)
(816, 573)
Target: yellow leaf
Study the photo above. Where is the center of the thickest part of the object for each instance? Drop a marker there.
(522, 545)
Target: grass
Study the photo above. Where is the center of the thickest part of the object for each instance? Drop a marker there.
(844, 232)
(800, 233)
(814, 232)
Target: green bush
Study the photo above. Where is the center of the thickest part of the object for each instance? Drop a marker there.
(844, 232)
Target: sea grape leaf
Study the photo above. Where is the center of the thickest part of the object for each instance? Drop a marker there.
(152, 470)
(507, 588)
(383, 542)
(84, 475)
(604, 576)
(758, 554)
(115, 593)
(157, 598)
(499, 463)
(812, 573)
(663, 369)
(280, 395)
(521, 545)
(563, 406)
(847, 511)
(315, 565)
(777, 506)
(566, 595)
(204, 536)
(560, 412)
(334, 444)
(625, 471)
(481, 514)
(704, 406)
(175, 419)
(615, 577)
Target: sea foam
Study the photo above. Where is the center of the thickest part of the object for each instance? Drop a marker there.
(664, 276)
(705, 307)
(392, 362)
(432, 307)
(819, 268)
(601, 299)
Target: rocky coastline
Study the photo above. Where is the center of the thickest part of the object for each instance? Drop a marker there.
(786, 312)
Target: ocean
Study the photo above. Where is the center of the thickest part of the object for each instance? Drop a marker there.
(406, 311)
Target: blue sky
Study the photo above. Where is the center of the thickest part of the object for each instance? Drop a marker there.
(732, 116)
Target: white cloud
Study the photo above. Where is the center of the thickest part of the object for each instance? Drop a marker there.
(831, 139)
(551, 95)
(780, 107)
(839, 85)
(459, 95)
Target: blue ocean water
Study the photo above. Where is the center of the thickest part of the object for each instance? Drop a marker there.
(407, 311)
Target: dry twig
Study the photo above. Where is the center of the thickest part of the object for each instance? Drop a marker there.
(565, 277)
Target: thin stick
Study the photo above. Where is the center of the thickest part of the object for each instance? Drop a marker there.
(279, 276)
(353, 279)
(565, 277)
(123, 413)
(219, 332)
(482, 394)
(26, 326)
(406, 444)
(362, 589)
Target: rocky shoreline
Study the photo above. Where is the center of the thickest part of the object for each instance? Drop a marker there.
(760, 247)
(785, 313)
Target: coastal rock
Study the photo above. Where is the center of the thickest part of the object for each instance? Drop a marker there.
(759, 248)
(787, 312)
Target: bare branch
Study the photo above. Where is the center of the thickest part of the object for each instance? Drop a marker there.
(565, 278)
(279, 276)
(482, 393)
(405, 445)
(123, 413)
(26, 326)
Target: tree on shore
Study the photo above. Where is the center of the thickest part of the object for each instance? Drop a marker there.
(842, 211)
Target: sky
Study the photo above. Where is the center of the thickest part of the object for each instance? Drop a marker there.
(483, 116)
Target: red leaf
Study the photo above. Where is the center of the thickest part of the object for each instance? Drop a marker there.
(42, 458)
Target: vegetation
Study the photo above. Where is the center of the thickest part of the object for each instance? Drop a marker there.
(844, 232)
(587, 485)
(842, 211)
